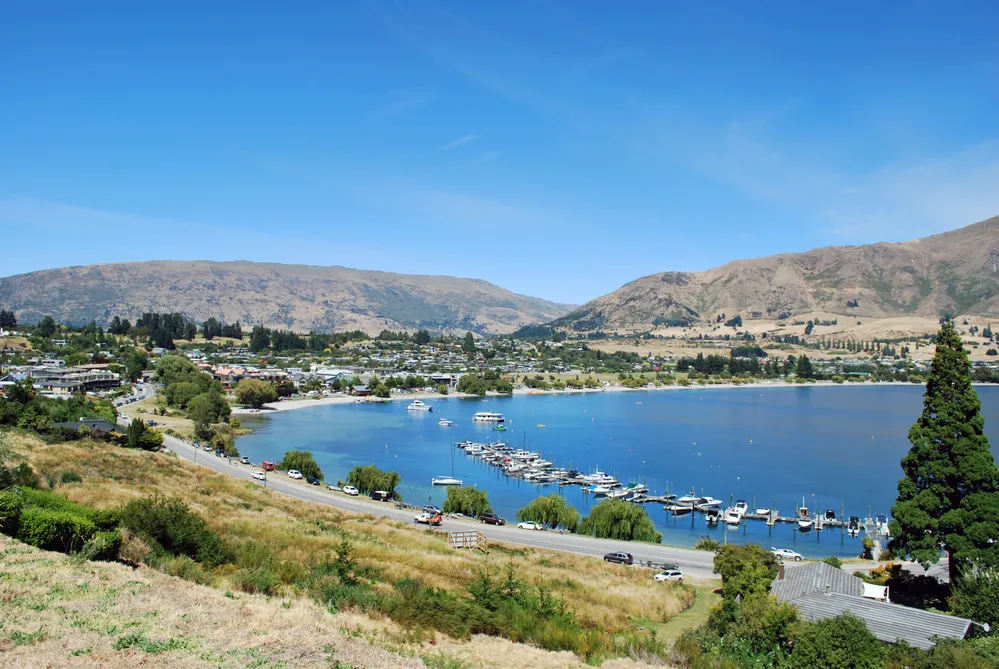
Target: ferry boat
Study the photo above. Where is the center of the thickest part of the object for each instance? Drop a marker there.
(488, 417)
(418, 405)
(444, 422)
(445, 480)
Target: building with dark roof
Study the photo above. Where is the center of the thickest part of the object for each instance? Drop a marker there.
(821, 591)
(94, 424)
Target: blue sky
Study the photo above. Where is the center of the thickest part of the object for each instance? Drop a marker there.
(558, 149)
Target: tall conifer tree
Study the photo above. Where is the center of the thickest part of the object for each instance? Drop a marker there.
(950, 493)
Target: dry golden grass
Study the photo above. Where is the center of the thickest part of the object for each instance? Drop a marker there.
(60, 612)
(19, 344)
(608, 597)
(146, 411)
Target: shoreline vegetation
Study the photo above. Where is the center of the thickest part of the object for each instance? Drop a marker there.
(305, 403)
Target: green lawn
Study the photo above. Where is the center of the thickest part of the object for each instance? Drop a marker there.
(693, 617)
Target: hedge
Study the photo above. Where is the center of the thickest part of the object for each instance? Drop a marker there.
(10, 511)
(54, 530)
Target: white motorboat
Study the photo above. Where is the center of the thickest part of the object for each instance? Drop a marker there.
(705, 503)
(805, 525)
(689, 499)
(762, 511)
(488, 417)
(735, 514)
(445, 480)
(444, 422)
(463, 444)
(712, 516)
(419, 405)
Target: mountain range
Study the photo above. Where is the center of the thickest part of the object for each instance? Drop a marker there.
(296, 297)
(955, 272)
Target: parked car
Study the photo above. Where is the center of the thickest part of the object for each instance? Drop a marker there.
(785, 554)
(350, 490)
(312, 480)
(622, 558)
(244, 460)
(259, 475)
(670, 575)
(491, 519)
(530, 526)
(430, 508)
(207, 448)
(294, 474)
(429, 518)
(381, 496)
(268, 466)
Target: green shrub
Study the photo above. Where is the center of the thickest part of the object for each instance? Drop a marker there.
(418, 606)
(843, 641)
(261, 580)
(69, 476)
(174, 528)
(104, 519)
(833, 561)
(707, 544)
(11, 505)
(54, 530)
(103, 546)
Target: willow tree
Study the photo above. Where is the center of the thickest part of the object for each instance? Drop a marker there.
(617, 519)
(551, 511)
(950, 494)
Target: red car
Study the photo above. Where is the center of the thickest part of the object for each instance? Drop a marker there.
(268, 466)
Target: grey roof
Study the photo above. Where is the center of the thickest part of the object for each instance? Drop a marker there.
(803, 579)
(888, 622)
(97, 424)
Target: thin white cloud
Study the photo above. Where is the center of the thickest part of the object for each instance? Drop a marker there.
(455, 143)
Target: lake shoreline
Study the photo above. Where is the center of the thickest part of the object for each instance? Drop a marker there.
(292, 405)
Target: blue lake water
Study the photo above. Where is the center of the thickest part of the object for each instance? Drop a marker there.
(838, 447)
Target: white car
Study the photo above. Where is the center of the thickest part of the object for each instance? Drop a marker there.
(530, 526)
(785, 554)
(669, 575)
(260, 476)
(350, 490)
(294, 474)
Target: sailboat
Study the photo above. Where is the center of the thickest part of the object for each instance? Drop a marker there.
(447, 480)
(804, 520)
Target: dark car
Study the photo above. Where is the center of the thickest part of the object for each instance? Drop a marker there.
(622, 558)
(491, 519)
(312, 480)
(381, 496)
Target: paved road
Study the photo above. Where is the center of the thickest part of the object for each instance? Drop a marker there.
(694, 564)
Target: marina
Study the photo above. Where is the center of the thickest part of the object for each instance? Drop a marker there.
(732, 444)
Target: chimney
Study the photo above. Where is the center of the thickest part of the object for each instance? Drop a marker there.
(780, 572)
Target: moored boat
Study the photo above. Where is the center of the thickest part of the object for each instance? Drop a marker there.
(419, 405)
(445, 480)
(444, 422)
(488, 417)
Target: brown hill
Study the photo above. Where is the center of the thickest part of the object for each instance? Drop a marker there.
(950, 273)
(299, 297)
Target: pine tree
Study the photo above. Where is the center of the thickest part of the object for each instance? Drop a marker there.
(468, 343)
(950, 493)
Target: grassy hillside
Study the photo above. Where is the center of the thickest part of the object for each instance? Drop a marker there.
(277, 541)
